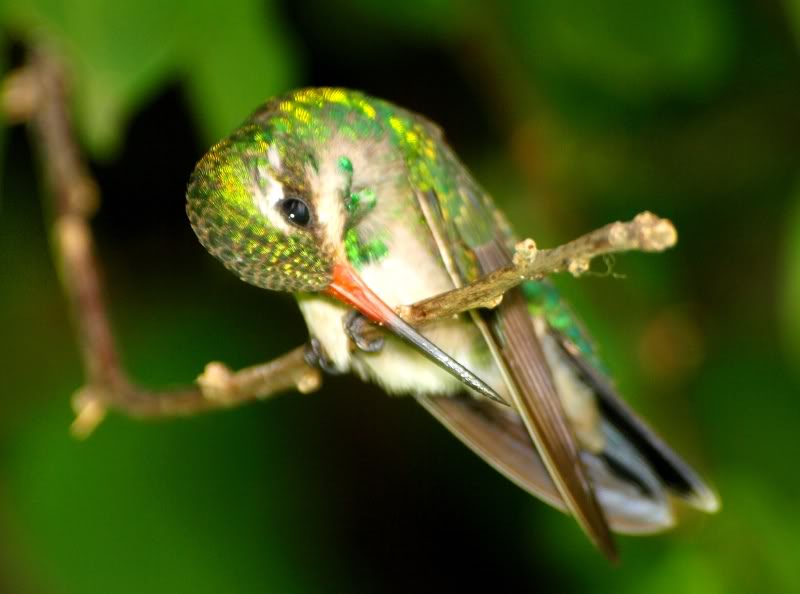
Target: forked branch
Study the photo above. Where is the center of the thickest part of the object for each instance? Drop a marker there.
(37, 94)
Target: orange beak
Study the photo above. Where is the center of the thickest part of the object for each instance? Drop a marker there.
(349, 288)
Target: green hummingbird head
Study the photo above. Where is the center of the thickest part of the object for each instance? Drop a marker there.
(275, 200)
(250, 205)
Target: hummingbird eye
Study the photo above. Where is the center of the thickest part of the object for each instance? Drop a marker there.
(296, 211)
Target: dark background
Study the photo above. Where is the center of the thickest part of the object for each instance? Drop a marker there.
(572, 115)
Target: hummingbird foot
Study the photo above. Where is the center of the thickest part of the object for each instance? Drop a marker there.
(316, 356)
(356, 326)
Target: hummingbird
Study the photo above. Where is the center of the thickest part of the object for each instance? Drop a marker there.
(358, 206)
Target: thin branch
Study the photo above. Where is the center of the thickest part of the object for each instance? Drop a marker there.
(217, 387)
(645, 233)
(37, 94)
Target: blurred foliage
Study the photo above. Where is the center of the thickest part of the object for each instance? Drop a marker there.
(640, 52)
(572, 114)
(442, 18)
(3, 126)
(232, 57)
(793, 8)
(791, 290)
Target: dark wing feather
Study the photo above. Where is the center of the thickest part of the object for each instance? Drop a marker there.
(536, 399)
(461, 221)
(498, 435)
(676, 474)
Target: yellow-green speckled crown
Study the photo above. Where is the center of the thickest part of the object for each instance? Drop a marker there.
(226, 216)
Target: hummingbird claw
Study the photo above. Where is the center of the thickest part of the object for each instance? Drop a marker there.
(356, 325)
(315, 356)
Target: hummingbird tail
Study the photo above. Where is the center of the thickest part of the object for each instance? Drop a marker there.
(634, 474)
(631, 492)
(623, 426)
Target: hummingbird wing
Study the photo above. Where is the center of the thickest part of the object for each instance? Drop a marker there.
(533, 445)
(499, 436)
(633, 474)
(511, 336)
(672, 471)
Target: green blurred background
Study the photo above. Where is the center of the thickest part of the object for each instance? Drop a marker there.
(572, 114)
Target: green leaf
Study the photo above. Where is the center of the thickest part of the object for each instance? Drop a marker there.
(119, 54)
(234, 60)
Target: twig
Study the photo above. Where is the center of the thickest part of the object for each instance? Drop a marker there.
(646, 233)
(217, 387)
(37, 94)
